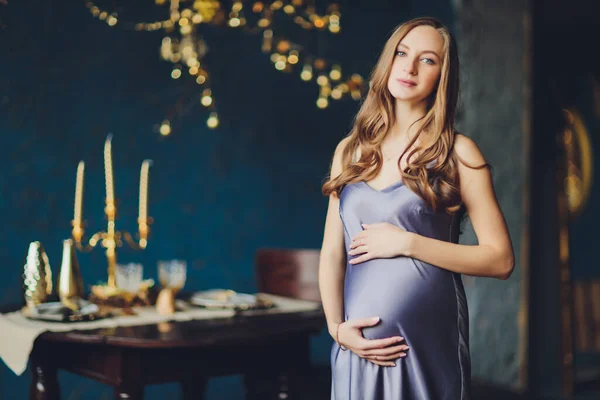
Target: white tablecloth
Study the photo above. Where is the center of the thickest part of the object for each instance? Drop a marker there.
(18, 333)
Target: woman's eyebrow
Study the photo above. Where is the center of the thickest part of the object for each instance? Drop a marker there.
(426, 51)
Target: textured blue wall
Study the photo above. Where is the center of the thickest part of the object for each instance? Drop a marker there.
(66, 80)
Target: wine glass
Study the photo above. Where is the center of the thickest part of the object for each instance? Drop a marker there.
(172, 274)
(128, 277)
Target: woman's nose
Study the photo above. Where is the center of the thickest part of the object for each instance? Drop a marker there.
(409, 67)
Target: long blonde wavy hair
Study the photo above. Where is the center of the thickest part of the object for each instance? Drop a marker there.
(438, 185)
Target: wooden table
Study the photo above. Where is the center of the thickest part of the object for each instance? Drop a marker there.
(271, 351)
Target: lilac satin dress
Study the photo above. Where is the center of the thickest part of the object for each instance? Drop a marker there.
(418, 301)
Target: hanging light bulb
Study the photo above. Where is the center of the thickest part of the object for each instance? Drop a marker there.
(293, 58)
(306, 73)
(213, 120)
(336, 73)
(322, 102)
(206, 98)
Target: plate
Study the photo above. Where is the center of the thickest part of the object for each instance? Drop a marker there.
(228, 299)
(58, 312)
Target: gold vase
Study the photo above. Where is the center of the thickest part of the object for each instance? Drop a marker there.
(37, 276)
(70, 283)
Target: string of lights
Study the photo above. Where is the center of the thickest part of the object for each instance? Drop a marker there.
(186, 48)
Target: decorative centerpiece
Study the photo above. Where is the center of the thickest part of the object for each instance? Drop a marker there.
(108, 293)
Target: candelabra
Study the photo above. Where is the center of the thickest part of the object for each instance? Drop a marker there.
(111, 238)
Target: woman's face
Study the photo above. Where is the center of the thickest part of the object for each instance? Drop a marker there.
(417, 65)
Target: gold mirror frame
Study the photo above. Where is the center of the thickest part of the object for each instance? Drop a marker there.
(579, 160)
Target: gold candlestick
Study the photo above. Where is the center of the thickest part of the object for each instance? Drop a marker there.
(111, 238)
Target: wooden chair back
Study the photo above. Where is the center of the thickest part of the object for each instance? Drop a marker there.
(288, 272)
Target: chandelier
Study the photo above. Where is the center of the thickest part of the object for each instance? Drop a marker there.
(184, 46)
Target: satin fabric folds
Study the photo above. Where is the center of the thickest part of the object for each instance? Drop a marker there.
(421, 302)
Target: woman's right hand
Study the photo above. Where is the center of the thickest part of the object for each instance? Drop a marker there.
(378, 351)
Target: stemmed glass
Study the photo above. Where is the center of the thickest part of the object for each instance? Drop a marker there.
(129, 276)
(172, 274)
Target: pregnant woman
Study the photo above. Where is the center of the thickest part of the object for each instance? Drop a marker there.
(390, 268)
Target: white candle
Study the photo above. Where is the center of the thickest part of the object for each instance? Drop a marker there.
(108, 170)
(143, 206)
(79, 194)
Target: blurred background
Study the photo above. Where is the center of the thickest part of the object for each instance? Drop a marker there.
(241, 137)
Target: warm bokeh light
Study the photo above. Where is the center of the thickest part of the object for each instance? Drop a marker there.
(306, 74)
(186, 30)
(213, 121)
(258, 7)
(165, 128)
(320, 63)
(176, 73)
(356, 78)
(293, 58)
(206, 101)
(206, 98)
(192, 62)
(322, 102)
(336, 73)
(322, 80)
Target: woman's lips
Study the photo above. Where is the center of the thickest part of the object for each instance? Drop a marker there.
(406, 82)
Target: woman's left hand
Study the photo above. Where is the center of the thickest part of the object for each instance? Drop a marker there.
(382, 240)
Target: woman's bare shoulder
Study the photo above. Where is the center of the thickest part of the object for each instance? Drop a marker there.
(468, 152)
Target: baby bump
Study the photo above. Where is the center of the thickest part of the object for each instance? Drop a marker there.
(408, 295)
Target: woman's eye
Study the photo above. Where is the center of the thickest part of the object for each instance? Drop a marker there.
(400, 53)
(429, 61)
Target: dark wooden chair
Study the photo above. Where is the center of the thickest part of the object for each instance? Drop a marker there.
(288, 272)
(294, 273)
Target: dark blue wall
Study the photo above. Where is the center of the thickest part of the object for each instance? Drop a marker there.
(66, 80)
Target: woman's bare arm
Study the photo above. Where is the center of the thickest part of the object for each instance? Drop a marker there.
(493, 256)
(332, 264)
